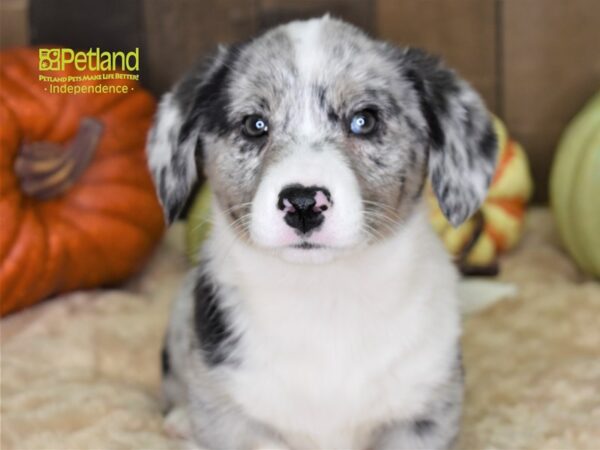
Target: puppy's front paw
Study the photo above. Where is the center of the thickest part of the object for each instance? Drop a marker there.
(177, 424)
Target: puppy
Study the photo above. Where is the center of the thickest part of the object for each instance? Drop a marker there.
(323, 314)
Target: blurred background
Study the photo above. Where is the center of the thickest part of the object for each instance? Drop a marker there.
(534, 61)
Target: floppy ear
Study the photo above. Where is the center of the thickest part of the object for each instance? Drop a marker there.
(174, 146)
(463, 144)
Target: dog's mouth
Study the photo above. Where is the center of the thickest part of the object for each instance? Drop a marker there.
(305, 245)
(309, 252)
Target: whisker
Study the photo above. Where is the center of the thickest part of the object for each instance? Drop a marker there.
(383, 220)
(393, 218)
(372, 233)
(210, 221)
(238, 206)
(381, 206)
(237, 227)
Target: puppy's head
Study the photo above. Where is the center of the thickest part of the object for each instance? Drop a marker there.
(317, 139)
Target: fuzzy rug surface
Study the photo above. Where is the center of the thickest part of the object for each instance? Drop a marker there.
(82, 371)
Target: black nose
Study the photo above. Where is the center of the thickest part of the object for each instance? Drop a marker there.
(304, 206)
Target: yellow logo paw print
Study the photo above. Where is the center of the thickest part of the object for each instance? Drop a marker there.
(49, 59)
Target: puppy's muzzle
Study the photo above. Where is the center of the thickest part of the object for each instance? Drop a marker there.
(304, 206)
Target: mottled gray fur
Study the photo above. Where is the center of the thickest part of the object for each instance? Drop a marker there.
(430, 121)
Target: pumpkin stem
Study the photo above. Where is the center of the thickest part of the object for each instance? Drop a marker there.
(46, 169)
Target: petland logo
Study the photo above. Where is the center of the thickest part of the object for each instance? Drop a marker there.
(94, 59)
(67, 71)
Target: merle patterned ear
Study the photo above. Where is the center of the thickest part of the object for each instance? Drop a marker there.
(463, 144)
(174, 146)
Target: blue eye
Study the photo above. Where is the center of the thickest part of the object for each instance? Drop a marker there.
(255, 126)
(363, 122)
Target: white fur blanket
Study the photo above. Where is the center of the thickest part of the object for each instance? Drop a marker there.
(82, 371)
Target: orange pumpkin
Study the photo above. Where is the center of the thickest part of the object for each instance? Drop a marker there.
(77, 205)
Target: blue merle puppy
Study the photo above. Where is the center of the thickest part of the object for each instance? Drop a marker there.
(323, 314)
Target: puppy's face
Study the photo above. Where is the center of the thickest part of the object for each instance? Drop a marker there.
(317, 139)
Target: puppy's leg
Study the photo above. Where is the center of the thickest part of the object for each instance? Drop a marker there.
(175, 369)
(174, 400)
(201, 412)
(220, 425)
(423, 434)
(177, 423)
(173, 389)
(435, 430)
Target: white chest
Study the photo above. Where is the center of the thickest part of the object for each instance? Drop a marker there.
(330, 353)
(329, 380)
